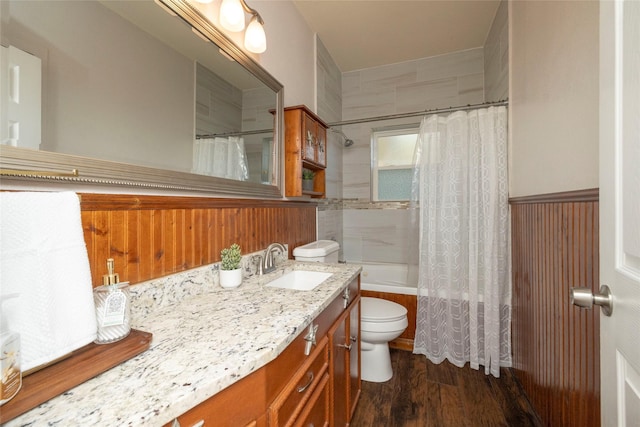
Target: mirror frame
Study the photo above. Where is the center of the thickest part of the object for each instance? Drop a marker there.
(34, 165)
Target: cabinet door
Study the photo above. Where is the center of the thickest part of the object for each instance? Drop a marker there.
(339, 370)
(321, 145)
(309, 140)
(355, 384)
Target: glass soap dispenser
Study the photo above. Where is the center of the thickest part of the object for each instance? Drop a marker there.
(112, 307)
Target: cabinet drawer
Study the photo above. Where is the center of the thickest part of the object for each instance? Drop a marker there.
(289, 404)
(316, 412)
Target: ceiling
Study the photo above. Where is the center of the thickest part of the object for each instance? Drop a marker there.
(363, 33)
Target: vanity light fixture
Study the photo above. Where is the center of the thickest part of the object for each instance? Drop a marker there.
(232, 19)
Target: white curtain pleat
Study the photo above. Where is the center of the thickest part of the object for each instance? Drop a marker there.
(460, 205)
(221, 157)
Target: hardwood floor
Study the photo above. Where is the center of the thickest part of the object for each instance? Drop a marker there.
(423, 394)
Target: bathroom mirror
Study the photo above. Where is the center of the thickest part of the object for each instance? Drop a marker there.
(132, 95)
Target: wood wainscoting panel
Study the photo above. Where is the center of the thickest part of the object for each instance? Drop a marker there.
(152, 236)
(556, 346)
(410, 302)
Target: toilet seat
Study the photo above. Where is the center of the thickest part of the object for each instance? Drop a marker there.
(378, 315)
(380, 310)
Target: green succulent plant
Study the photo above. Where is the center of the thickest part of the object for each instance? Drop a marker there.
(307, 174)
(231, 257)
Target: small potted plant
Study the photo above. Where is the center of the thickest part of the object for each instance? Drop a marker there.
(230, 271)
(307, 179)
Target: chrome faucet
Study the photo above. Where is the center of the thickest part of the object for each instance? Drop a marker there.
(268, 262)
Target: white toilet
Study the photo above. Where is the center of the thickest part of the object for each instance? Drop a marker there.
(318, 251)
(380, 322)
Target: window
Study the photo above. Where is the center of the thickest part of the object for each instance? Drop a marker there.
(392, 163)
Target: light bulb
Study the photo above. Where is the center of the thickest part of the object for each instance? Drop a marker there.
(255, 39)
(232, 15)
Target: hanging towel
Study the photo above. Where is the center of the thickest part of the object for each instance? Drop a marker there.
(43, 258)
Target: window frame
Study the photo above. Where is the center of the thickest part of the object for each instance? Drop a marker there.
(405, 129)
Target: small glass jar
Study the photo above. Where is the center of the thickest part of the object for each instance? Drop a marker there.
(113, 312)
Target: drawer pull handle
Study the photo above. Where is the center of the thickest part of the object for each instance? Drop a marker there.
(304, 387)
(354, 339)
(348, 347)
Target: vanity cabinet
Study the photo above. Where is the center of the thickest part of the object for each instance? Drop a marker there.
(344, 340)
(305, 141)
(295, 398)
(315, 380)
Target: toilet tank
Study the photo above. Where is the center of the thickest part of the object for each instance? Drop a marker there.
(318, 251)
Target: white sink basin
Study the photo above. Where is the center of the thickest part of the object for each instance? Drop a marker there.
(299, 280)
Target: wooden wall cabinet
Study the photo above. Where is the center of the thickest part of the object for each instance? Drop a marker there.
(305, 141)
(295, 389)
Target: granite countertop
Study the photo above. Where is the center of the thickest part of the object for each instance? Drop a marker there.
(205, 338)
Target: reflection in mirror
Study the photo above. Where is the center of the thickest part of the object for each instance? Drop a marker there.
(125, 82)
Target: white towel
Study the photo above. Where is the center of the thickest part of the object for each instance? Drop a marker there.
(43, 258)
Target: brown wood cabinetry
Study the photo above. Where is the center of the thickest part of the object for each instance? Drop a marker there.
(293, 399)
(298, 389)
(305, 148)
(344, 340)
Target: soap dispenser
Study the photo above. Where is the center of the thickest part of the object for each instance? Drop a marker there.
(112, 307)
(9, 357)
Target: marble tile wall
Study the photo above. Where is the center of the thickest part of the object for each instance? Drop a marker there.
(375, 232)
(440, 81)
(496, 56)
(376, 235)
(329, 108)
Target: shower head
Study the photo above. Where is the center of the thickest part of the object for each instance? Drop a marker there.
(348, 142)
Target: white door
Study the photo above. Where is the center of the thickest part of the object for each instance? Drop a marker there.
(20, 99)
(620, 210)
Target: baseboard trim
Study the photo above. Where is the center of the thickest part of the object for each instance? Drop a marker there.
(402, 344)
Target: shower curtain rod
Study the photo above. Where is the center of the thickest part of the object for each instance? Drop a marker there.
(248, 132)
(420, 113)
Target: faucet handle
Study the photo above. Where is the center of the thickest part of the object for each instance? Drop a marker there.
(260, 272)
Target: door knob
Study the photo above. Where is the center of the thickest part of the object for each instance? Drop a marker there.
(582, 297)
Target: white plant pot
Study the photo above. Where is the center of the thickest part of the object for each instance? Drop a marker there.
(231, 278)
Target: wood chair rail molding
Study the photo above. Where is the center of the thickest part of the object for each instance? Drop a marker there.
(93, 202)
(588, 195)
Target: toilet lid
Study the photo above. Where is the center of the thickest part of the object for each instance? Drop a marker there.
(380, 310)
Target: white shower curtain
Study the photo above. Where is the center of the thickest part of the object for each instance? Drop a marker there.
(221, 157)
(460, 195)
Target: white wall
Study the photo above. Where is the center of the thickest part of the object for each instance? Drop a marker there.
(553, 98)
(290, 55)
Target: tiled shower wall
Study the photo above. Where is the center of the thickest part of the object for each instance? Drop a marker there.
(377, 232)
(329, 98)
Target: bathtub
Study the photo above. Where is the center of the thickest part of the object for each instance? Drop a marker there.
(386, 277)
